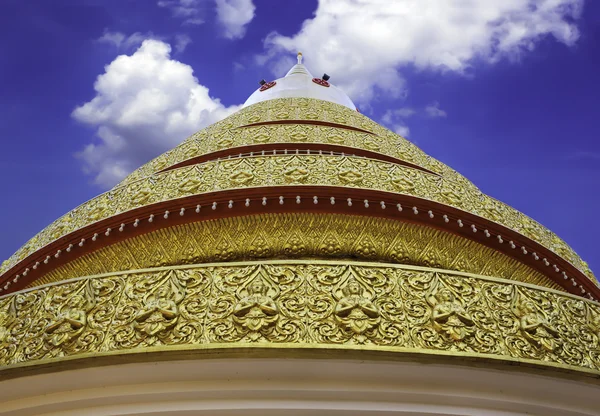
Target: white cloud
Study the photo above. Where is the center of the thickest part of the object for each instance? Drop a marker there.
(394, 119)
(181, 42)
(124, 42)
(187, 10)
(145, 104)
(401, 129)
(434, 110)
(234, 16)
(404, 112)
(363, 44)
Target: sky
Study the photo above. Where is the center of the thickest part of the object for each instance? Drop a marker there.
(506, 92)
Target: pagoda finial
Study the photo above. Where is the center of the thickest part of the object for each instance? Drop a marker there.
(299, 58)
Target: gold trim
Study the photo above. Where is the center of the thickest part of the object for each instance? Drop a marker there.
(312, 305)
(299, 235)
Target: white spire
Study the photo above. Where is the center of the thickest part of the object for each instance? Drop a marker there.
(299, 82)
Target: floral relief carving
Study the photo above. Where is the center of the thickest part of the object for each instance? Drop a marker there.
(70, 321)
(296, 174)
(305, 303)
(536, 327)
(160, 309)
(242, 177)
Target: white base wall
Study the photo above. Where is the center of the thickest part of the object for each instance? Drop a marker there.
(293, 387)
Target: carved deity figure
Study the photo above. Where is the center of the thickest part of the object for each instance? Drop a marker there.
(355, 311)
(159, 313)
(536, 328)
(69, 323)
(449, 317)
(257, 310)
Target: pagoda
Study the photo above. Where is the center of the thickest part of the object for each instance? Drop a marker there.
(297, 257)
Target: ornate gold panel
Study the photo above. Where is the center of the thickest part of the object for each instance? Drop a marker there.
(288, 134)
(309, 304)
(262, 171)
(300, 235)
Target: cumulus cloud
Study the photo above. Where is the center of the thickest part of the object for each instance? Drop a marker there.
(434, 110)
(395, 120)
(126, 43)
(188, 11)
(181, 42)
(234, 16)
(145, 104)
(404, 112)
(122, 41)
(364, 44)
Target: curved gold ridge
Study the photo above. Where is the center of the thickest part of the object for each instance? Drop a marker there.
(295, 170)
(293, 303)
(145, 186)
(299, 235)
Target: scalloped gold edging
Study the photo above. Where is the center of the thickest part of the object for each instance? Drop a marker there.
(299, 235)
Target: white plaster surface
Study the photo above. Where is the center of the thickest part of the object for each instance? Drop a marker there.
(290, 387)
(298, 83)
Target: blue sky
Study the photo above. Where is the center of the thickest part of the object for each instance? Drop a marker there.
(506, 92)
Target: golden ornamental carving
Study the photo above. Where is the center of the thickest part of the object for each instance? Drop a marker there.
(355, 311)
(296, 174)
(70, 320)
(307, 304)
(229, 133)
(299, 235)
(241, 177)
(145, 186)
(190, 185)
(350, 176)
(449, 316)
(255, 304)
(159, 312)
(287, 170)
(160, 309)
(256, 310)
(536, 328)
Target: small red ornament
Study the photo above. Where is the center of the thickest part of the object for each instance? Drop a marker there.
(321, 82)
(267, 86)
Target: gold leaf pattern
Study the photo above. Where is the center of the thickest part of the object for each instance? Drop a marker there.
(304, 303)
(299, 236)
(146, 186)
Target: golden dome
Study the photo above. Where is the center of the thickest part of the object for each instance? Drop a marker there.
(298, 221)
